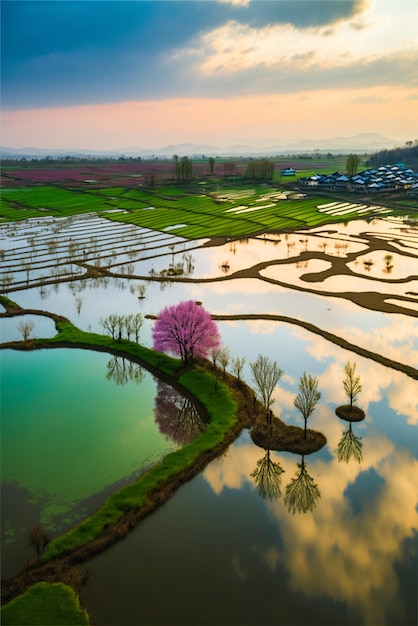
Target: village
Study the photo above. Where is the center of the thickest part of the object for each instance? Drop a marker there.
(376, 180)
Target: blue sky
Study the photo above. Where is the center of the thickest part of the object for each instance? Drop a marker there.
(118, 58)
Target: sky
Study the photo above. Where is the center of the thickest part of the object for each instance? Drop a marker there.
(116, 74)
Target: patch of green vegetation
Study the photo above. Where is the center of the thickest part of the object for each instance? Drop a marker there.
(45, 605)
(24, 202)
(225, 211)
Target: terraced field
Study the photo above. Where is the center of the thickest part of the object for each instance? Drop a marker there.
(230, 212)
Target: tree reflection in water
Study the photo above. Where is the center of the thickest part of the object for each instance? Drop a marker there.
(123, 370)
(268, 477)
(350, 445)
(302, 492)
(176, 415)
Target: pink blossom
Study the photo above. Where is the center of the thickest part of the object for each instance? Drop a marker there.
(185, 330)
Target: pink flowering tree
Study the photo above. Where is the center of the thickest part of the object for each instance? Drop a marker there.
(186, 330)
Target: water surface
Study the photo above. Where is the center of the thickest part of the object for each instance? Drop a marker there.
(76, 425)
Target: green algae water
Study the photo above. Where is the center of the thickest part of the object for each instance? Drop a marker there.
(76, 425)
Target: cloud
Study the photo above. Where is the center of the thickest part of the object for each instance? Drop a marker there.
(63, 53)
(359, 25)
(240, 3)
(369, 99)
(340, 536)
(284, 58)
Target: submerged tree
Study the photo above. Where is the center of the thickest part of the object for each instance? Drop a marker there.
(350, 445)
(351, 382)
(78, 304)
(388, 258)
(308, 396)
(268, 477)
(176, 415)
(266, 374)
(123, 370)
(302, 492)
(142, 288)
(186, 330)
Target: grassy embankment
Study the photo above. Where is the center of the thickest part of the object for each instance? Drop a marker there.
(45, 605)
(220, 408)
(229, 406)
(126, 507)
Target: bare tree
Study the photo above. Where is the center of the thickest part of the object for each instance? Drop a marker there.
(237, 366)
(215, 352)
(266, 374)
(26, 327)
(38, 539)
(224, 355)
(137, 321)
(351, 382)
(110, 323)
(308, 396)
(120, 325)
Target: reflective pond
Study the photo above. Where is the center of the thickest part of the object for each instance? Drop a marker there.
(327, 539)
(77, 425)
(260, 537)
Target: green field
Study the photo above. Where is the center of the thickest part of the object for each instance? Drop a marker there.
(228, 211)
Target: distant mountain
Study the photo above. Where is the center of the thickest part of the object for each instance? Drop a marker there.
(364, 142)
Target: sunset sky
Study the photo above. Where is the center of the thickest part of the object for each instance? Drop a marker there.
(118, 74)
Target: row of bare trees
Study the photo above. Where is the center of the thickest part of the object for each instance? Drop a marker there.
(123, 326)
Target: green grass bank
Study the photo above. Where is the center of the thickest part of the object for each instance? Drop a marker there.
(45, 605)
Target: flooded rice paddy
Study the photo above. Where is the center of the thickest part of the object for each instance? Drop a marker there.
(221, 551)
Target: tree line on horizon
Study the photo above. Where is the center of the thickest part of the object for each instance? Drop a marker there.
(407, 154)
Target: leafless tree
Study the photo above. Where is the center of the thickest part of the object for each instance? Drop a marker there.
(26, 327)
(38, 539)
(137, 321)
(266, 374)
(237, 366)
(351, 382)
(224, 355)
(308, 396)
